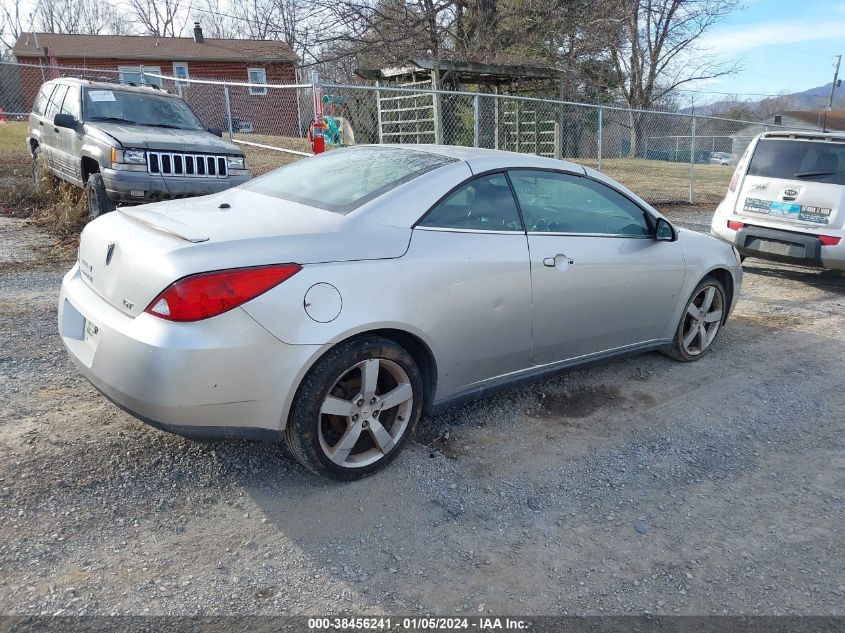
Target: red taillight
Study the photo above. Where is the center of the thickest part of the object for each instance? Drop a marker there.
(734, 179)
(206, 295)
(734, 225)
(829, 240)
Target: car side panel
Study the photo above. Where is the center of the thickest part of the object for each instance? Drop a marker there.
(466, 295)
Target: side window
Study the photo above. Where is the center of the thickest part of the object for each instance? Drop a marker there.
(180, 71)
(41, 100)
(54, 104)
(561, 203)
(71, 103)
(257, 76)
(483, 204)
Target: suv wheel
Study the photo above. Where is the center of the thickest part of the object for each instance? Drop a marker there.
(356, 409)
(97, 197)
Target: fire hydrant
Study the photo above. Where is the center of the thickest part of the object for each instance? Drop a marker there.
(317, 133)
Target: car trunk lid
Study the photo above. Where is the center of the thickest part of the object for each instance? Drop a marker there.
(128, 257)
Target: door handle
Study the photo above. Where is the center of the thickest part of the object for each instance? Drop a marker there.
(559, 261)
(41, 123)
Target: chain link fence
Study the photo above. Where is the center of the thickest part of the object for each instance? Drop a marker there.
(665, 157)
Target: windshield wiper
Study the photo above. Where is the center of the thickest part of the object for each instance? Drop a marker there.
(112, 118)
(166, 125)
(810, 174)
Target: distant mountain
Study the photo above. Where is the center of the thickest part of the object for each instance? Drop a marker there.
(804, 100)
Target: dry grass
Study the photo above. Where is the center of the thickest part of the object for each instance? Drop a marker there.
(52, 204)
(260, 160)
(60, 208)
(659, 182)
(662, 182)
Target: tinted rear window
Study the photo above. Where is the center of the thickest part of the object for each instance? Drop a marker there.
(810, 161)
(342, 180)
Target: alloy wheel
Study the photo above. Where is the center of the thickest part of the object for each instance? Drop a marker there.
(702, 320)
(365, 413)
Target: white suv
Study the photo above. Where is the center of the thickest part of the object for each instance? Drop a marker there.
(786, 200)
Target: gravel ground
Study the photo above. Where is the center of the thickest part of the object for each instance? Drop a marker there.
(641, 486)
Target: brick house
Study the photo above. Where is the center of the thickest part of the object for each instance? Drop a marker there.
(125, 57)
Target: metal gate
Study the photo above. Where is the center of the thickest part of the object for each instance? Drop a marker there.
(408, 117)
(524, 128)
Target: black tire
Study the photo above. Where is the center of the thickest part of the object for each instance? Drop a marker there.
(96, 196)
(307, 427)
(679, 351)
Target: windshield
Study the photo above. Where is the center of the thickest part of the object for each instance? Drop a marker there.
(809, 161)
(342, 180)
(139, 108)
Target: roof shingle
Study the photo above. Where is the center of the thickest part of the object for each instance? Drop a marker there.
(151, 47)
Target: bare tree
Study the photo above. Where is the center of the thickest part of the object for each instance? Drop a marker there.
(163, 18)
(11, 23)
(659, 49)
(87, 17)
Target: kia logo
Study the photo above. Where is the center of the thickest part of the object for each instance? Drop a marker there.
(790, 192)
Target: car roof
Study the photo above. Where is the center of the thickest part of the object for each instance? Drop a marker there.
(480, 159)
(108, 85)
(805, 135)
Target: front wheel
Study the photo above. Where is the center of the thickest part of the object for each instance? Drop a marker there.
(97, 197)
(700, 322)
(356, 409)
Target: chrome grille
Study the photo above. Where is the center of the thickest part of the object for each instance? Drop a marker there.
(190, 165)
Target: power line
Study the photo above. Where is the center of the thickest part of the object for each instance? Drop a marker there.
(729, 94)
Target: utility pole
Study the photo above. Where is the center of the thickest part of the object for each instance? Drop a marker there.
(835, 80)
(832, 90)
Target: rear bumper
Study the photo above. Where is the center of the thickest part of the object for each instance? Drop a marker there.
(120, 185)
(790, 247)
(222, 377)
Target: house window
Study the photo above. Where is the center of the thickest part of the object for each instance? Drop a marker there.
(135, 75)
(180, 71)
(257, 76)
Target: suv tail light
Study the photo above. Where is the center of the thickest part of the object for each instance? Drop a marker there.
(205, 295)
(734, 225)
(829, 240)
(734, 180)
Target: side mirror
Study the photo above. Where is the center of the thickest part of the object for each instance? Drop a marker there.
(665, 232)
(66, 120)
(216, 131)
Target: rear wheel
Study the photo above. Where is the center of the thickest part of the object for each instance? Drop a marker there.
(97, 197)
(356, 409)
(701, 321)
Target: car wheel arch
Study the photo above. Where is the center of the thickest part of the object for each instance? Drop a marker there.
(419, 350)
(724, 277)
(89, 166)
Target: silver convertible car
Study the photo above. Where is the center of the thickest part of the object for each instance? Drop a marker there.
(334, 301)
